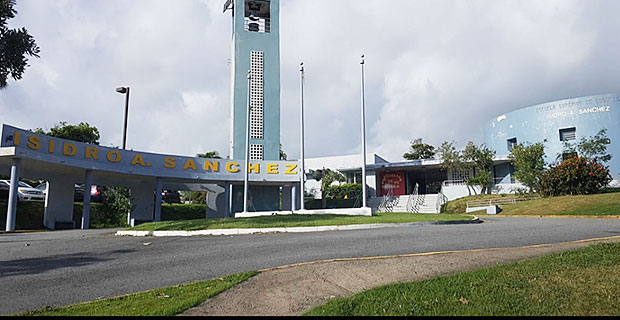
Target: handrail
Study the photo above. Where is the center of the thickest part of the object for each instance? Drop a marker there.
(412, 198)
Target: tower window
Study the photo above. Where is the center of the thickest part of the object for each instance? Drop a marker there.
(256, 94)
(511, 143)
(256, 152)
(568, 134)
(257, 16)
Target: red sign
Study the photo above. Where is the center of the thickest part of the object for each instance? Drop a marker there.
(394, 181)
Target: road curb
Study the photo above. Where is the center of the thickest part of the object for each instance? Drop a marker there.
(556, 216)
(229, 232)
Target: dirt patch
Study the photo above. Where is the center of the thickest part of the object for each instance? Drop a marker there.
(293, 290)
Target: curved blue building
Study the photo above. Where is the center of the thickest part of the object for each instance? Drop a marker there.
(556, 122)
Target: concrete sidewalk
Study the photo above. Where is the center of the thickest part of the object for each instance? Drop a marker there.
(294, 289)
(229, 232)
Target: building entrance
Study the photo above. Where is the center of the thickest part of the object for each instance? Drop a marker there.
(429, 180)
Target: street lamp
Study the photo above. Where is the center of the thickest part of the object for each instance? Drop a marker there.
(125, 91)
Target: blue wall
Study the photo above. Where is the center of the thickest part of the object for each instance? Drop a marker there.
(544, 121)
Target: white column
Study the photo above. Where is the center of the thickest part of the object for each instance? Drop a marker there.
(229, 199)
(11, 212)
(157, 216)
(293, 192)
(88, 182)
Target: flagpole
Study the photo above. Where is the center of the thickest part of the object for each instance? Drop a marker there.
(363, 138)
(302, 159)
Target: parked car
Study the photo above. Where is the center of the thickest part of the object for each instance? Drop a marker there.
(96, 193)
(78, 194)
(170, 196)
(25, 192)
(4, 191)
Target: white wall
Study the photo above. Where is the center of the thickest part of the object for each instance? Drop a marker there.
(340, 163)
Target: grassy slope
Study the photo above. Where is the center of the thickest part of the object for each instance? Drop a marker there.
(580, 282)
(159, 302)
(598, 204)
(297, 220)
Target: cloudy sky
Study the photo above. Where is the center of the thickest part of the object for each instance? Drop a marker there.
(436, 70)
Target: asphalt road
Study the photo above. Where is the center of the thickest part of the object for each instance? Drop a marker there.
(67, 267)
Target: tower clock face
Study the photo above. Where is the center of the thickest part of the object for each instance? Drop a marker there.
(257, 16)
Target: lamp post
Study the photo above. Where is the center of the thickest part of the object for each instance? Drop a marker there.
(125, 91)
(247, 148)
(302, 164)
(363, 138)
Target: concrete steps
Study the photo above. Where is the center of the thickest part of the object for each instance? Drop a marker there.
(427, 203)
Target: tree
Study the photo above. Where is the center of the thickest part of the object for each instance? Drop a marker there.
(529, 163)
(210, 155)
(592, 148)
(451, 158)
(481, 159)
(283, 155)
(82, 132)
(419, 150)
(15, 44)
(327, 177)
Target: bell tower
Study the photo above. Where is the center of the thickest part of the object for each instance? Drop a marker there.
(255, 47)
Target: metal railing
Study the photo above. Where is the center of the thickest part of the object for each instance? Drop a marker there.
(498, 201)
(388, 202)
(413, 202)
(448, 183)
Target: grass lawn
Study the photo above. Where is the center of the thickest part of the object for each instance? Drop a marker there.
(583, 282)
(160, 302)
(297, 220)
(595, 205)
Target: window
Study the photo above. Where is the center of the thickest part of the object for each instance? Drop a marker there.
(458, 177)
(568, 155)
(568, 134)
(511, 143)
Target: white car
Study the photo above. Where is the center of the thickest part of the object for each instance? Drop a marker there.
(25, 192)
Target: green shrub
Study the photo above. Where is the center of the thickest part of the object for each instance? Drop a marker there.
(344, 191)
(113, 210)
(574, 176)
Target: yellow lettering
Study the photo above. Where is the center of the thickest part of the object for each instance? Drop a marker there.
(190, 164)
(137, 159)
(113, 156)
(69, 149)
(170, 163)
(16, 138)
(212, 166)
(254, 168)
(91, 153)
(291, 169)
(273, 168)
(51, 147)
(34, 142)
(230, 165)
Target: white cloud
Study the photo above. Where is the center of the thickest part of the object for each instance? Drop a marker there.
(435, 69)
